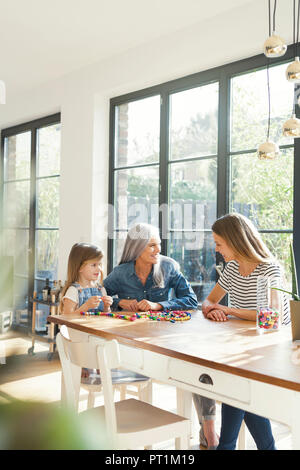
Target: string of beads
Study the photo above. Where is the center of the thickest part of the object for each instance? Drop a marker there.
(168, 315)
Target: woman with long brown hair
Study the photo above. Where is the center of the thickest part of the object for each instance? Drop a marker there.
(246, 257)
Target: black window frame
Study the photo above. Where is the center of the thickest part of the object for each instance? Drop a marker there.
(32, 126)
(222, 74)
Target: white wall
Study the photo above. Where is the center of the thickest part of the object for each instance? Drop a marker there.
(83, 99)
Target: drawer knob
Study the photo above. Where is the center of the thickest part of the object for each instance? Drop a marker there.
(205, 379)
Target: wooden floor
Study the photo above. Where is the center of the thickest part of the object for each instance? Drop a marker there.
(25, 377)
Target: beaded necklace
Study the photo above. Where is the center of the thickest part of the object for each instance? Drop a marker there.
(168, 315)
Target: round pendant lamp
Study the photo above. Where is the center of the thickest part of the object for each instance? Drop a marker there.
(291, 128)
(268, 151)
(274, 46)
(293, 71)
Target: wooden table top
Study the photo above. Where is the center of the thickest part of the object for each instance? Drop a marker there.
(233, 346)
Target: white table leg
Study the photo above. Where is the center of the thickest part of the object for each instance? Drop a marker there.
(184, 408)
(295, 427)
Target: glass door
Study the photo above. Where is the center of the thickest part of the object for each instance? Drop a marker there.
(30, 211)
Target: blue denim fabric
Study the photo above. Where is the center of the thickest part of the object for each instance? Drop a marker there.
(124, 283)
(85, 293)
(259, 427)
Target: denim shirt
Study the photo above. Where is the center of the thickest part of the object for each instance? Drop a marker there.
(124, 282)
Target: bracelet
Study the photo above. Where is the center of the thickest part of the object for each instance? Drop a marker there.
(168, 315)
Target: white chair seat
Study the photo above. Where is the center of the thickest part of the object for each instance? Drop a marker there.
(139, 423)
(137, 416)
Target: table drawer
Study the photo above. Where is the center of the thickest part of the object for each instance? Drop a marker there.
(222, 383)
(131, 357)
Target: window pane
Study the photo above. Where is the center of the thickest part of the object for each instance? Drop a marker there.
(16, 244)
(249, 114)
(137, 132)
(263, 190)
(194, 122)
(21, 296)
(48, 150)
(119, 241)
(17, 149)
(16, 204)
(195, 252)
(278, 244)
(46, 253)
(48, 202)
(136, 196)
(193, 194)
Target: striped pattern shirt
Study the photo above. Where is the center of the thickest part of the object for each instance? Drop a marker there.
(242, 290)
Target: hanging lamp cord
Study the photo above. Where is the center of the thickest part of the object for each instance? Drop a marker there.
(297, 45)
(269, 100)
(269, 8)
(274, 14)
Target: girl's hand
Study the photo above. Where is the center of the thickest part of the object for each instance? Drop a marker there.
(92, 302)
(107, 301)
(217, 315)
(130, 305)
(145, 305)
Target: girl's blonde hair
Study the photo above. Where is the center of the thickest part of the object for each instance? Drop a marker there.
(243, 238)
(80, 253)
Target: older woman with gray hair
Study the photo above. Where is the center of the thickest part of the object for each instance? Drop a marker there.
(146, 280)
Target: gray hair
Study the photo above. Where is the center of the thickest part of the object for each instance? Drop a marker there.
(137, 239)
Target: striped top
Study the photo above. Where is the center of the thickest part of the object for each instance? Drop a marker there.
(242, 290)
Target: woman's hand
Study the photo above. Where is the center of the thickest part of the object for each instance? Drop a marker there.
(145, 305)
(223, 308)
(107, 301)
(217, 315)
(129, 305)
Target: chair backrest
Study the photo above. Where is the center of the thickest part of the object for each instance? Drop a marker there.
(93, 354)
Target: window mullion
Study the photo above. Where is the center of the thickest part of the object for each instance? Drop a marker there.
(32, 213)
(164, 171)
(223, 183)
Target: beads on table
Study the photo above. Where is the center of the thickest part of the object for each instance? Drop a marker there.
(168, 315)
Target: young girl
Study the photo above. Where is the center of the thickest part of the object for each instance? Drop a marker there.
(247, 257)
(84, 290)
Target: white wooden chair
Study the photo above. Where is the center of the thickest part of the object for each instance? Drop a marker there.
(124, 381)
(130, 424)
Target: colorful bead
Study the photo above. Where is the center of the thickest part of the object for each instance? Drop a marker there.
(167, 315)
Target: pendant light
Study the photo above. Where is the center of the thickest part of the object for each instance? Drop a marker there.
(2, 92)
(291, 128)
(293, 70)
(268, 150)
(274, 46)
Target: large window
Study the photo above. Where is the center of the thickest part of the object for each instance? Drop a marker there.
(184, 153)
(30, 200)
(263, 190)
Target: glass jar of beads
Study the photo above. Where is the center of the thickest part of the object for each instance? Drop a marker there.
(269, 304)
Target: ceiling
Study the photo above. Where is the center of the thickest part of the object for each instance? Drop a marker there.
(42, 40)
